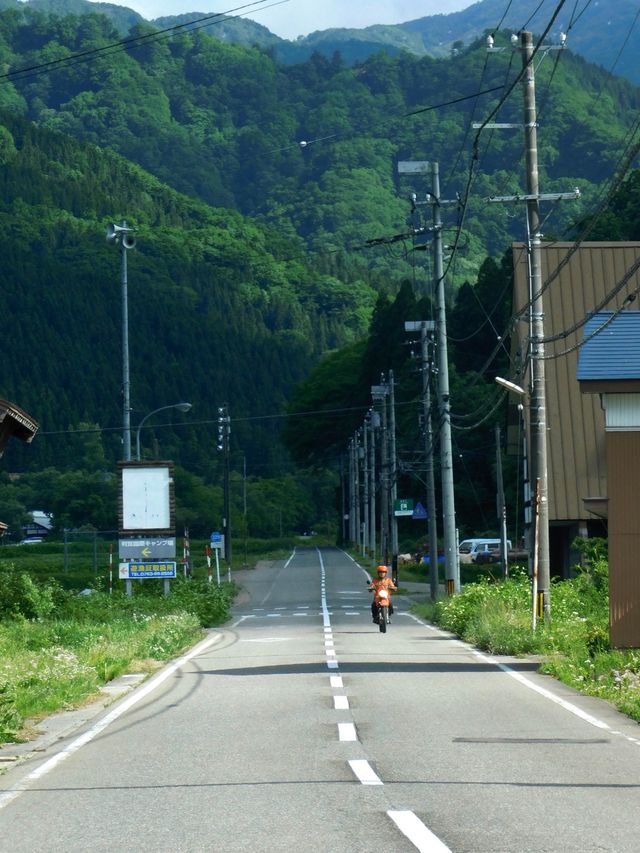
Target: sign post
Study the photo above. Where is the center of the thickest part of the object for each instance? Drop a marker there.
(217, 545)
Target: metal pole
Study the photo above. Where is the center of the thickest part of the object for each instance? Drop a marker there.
(537, 408)
(393, 468)
(430, 473)
(446, 453)
(126, 386)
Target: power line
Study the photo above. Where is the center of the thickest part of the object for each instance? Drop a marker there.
(137, 41)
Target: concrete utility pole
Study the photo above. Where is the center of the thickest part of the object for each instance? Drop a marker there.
(393, 472)
(501, 507)
(425, 327)
(352, 494)
(446, 453)
(452, 568)
(379, 395)
(374, 423)
(356, 488)
(537, 397)
(365, 487)
(224, 436)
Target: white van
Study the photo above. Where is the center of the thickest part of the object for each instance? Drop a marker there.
(470, 548)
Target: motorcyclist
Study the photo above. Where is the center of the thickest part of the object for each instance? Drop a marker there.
(381, 582)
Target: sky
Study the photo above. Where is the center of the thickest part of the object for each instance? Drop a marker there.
(300, 17)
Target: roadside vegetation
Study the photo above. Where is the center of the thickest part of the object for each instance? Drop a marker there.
(58, 647)
(63, 634)
(573, 645)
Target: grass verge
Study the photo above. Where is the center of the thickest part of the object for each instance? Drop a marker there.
(58, 648)
(573, 643)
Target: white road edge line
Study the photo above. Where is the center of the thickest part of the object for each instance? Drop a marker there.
(568, 706)
(418, 834)
(364, 772)
(85, 738)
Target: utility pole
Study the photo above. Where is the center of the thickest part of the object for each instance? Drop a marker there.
(501, 507)
(124, 238)
(537, 397)
(352, 496)
(365, 487)
(446, 453)
(452, 568)
(393, 472)
(425, 327)
(379, 395)
(224, 434)
(374, 422)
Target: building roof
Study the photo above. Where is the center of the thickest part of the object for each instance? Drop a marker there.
(611, 348)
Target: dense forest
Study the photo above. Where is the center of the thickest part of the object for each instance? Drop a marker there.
(259, 193)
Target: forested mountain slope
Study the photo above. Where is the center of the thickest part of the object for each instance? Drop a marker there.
(220, 310)
(225, 123)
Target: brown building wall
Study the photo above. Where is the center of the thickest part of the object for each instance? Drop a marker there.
(623, 462)
(576, 438)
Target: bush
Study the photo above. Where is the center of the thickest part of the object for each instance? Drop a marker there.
(22, 596)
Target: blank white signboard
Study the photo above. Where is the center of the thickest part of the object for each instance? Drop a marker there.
(146, 498)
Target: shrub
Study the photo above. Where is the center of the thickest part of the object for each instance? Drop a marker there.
(22, 596)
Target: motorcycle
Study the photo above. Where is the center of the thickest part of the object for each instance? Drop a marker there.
(382, 602)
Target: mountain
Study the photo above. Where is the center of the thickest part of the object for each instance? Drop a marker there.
(260, 192)
(220, 310)
(604, 37)
(597, 31)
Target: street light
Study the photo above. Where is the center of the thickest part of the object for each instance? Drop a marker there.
(122, 236)
(537, 606)
(181, 407)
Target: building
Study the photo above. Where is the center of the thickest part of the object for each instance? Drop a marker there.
(609, 371)
(578, 279)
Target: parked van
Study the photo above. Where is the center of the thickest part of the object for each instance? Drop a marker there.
(470, 548)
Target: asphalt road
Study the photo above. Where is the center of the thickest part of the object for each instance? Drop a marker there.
(299, 727)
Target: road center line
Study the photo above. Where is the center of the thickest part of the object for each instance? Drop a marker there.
(347, 732)
(410, 825)
(364, 772)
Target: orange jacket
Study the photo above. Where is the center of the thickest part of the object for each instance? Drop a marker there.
(377, 585)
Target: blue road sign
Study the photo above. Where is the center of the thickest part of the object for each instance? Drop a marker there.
(419, 511)
(216, 537)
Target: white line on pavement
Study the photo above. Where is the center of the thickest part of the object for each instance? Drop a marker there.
(336, 680)
(340, 703)
(422, 838)
(85, 738)
(568, 706)
(364, 772)
(347, 732)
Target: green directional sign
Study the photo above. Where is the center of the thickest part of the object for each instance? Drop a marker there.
(403, 507)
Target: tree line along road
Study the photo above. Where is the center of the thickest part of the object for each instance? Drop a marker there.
(300, 727)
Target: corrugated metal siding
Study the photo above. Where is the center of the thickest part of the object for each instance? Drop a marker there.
(614, 352)
(622, 411)
(576, 436)
(623, 456)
